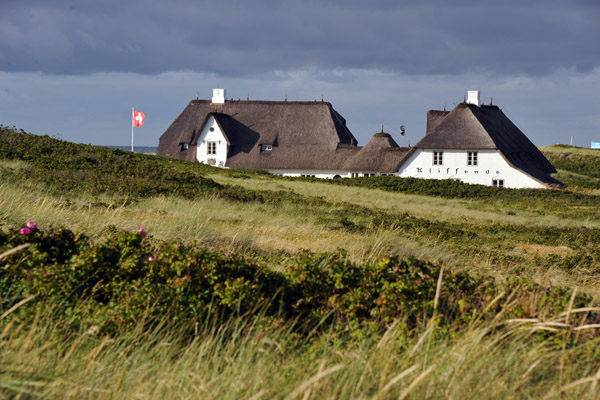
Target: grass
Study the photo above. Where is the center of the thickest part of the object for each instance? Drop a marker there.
(242, 359)
(503, 242)
(450, 210)
(566, 149)
(549, 237)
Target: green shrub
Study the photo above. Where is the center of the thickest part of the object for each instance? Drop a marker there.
(127, 276)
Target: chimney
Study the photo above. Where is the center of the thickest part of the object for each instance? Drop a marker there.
(473, 97)
(218, 96)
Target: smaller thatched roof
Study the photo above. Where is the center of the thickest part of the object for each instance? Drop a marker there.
(381, 154)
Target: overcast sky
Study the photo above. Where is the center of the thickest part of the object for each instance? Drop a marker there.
(74, 68)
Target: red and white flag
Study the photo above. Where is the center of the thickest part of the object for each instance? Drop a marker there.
(138, 118)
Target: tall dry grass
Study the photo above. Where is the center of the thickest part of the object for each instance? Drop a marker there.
(434, 208)
(206, 221)
(244, 359)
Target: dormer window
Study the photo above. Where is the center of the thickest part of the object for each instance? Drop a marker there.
(184, 146)
(266, 148)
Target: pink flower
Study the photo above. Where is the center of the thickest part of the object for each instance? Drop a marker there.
(32, 225)
(153, 257)
(25, 231)
(142, 232)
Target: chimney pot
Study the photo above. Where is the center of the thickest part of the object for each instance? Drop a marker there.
(218, 96)
(473, 97)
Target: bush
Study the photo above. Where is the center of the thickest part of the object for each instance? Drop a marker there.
(127, 276)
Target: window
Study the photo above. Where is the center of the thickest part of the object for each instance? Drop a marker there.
(438, 157)
(184, 146)
(471, 158)
(211, 148)
(266, 148)
(355, 174)
(498, 182)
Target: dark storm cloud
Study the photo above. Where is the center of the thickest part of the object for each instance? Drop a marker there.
(243, 38)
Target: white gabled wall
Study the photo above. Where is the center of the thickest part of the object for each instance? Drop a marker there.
(215, 135)
(490, 165)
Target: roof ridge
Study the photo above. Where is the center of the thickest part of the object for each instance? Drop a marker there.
(301, 102)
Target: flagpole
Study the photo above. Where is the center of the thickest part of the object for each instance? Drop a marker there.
(132, 124)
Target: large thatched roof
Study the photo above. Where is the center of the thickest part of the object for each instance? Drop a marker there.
(474, 127)
(303, 135)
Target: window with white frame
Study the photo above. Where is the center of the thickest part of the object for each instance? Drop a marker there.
(438, 157)
(498, 182)
(211, 148)
(471, 158)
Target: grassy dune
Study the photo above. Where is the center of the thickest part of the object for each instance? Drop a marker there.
(576, 166)
(537, 238)
(515, 336)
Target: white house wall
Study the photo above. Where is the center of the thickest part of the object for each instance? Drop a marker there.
(490, 165)
(206, 136)
(324, 174)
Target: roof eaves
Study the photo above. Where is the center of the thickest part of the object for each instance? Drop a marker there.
(549, 185)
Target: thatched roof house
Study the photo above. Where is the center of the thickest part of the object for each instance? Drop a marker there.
(456, 141)
(286, 137)
(473, 143)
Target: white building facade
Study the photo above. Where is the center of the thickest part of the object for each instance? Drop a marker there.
(474, 166)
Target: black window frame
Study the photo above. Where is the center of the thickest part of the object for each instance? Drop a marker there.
(472, 158)
(211, 148)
